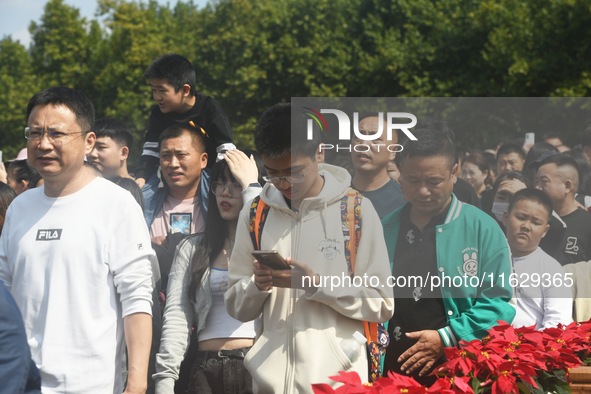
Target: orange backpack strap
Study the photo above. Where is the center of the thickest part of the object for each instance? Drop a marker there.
(257, 217)
(371, 331)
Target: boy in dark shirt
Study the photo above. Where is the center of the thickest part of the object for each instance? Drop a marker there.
(173, 79)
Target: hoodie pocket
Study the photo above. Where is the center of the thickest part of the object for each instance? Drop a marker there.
(334, 343)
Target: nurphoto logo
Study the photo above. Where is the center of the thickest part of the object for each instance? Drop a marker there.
(367, 140)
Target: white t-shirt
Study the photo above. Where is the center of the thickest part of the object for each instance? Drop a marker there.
(76, 265)
(541, 299)
(178, 216)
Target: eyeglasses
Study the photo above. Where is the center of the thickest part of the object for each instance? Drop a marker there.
(55, 136)
(233, 189)
(293, 178)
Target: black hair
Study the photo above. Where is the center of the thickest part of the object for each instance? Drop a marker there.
(480, 161)
(73, 99)
(562, 160)
(461, 153)
(215, 234)
(509, 176)
(131, 186)
(536, 151)
(6, 197)
(509, 148)
(21, 171)
(531, 194)
(274, 137)
(586, 136)
(430, 142)
(553, 135)
(374, 114)
(175, 69)
(533, 155)
(177, 129)
(492, 163)
(260, 167)
(584, 170)
(384, 116)
(115, 130)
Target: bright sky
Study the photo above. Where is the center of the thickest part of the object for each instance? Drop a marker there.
(16, 15)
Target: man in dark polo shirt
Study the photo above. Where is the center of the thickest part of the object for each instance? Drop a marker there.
(558, 176)
(433, 237)
(371, 168)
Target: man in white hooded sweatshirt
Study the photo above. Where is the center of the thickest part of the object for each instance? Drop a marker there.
(303, 322)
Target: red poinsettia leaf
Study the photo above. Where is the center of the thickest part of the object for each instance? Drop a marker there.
(451, 352)
(462, 383)
(553, 332)
(403, 381)
(322, 388)
(466, 365)
(440, 385)
(349, 378)
(504, 360)
(529, 380)
(505, 384)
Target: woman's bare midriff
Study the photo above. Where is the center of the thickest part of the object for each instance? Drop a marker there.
(216, 344)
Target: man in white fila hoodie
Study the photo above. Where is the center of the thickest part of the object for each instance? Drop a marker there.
(302, 323)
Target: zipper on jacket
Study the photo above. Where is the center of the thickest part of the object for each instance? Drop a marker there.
(295, 244)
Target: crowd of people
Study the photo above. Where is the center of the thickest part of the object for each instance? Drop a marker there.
(115, 280)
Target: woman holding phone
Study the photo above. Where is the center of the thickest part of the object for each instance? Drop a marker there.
(196, 286)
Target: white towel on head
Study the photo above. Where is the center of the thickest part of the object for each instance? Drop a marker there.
(222, 149)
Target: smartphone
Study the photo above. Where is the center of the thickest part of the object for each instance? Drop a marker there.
(0, 156)
(530, 139)
(272, 259)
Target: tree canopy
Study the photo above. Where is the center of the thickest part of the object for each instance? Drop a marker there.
(250, 54)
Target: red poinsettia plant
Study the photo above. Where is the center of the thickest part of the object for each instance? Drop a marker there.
(507, 360)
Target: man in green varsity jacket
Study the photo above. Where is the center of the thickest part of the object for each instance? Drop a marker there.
(450, 261)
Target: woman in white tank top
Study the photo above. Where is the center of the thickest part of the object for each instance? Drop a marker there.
(195, 296)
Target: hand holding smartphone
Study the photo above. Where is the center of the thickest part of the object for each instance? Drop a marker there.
(281, 274)
(271, 259)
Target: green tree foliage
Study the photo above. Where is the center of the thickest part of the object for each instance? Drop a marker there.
(255, 54)
(252, 54)
(18, 83)
(60, 50)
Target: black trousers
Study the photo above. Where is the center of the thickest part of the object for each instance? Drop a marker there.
(220, 373)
